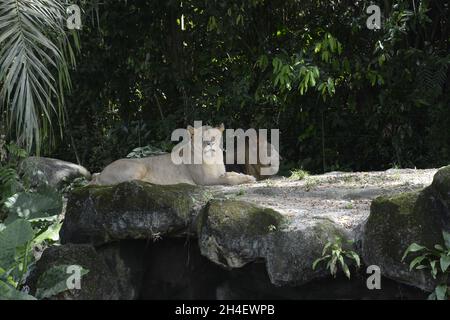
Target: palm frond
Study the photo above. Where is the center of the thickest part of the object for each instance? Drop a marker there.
(433, 76)
(35, 57)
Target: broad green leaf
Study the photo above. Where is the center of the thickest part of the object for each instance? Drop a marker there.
(33, 206)
(353, 255)
(441, 292)
(421, 267)
(446, 236)
(52, 233)
(15, 235)
(317, 261)
(333, 267)
(54, 281)
(416, 262)
(8, 292)
(432, 296)
(344, 267)
(6, 277)
(413, 248)
(434, 270)
(444, 262)
(325, 248)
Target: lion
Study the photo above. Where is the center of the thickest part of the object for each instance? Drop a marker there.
(161, 169)
(258, 170)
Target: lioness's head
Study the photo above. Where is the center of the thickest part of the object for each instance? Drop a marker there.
(208, 141)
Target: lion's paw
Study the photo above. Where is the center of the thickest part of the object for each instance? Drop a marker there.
(243, 178)
(251, 179)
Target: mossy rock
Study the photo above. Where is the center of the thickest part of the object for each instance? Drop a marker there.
(130, 210)
(231, 232)
(395, 223)
(238, 218)
(441, 180)
(98, 284)
(290, 255)
(441, 185)
(234, 233)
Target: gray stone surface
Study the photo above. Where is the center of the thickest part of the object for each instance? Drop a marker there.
(130, 210)
(99, 284)
(280, 222)
(397, 221)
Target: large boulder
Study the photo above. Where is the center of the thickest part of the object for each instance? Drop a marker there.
(53, 172)
(291, 253)
(441, 188)
(98, 284)
(281, 225)
(233, 233)
(397, 221)
(130, 210)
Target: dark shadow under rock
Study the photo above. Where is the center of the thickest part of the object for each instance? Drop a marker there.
(126, 260)
(175, 269)
(98, 284)
(252, 282)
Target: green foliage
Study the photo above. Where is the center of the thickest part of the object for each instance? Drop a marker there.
(345, 97)
(75, 184)
(32, 219)
(8, 292)
(298, 174)
(312, 68)
(45, 203)
(143, 152)
(437, 261)
(10, 182)
(54, 281)
(13, 239)
(35, 57)
(17, 240)
(335, 255)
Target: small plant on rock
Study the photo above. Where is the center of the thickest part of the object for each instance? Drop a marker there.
(75, 184)
(437, 260)
(146, 151)
(298, 174)
(336, 255)
(310, 184)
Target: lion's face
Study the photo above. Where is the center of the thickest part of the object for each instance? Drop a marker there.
(208, 141)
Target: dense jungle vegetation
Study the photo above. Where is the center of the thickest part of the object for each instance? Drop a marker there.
(344, 97)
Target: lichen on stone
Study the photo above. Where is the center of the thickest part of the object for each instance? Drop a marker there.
(398, 221)
(402, 203)
(241, 218)
(441, 183)
(130, 210)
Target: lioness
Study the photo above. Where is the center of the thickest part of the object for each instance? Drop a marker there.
(162, 170)
(256, 169)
